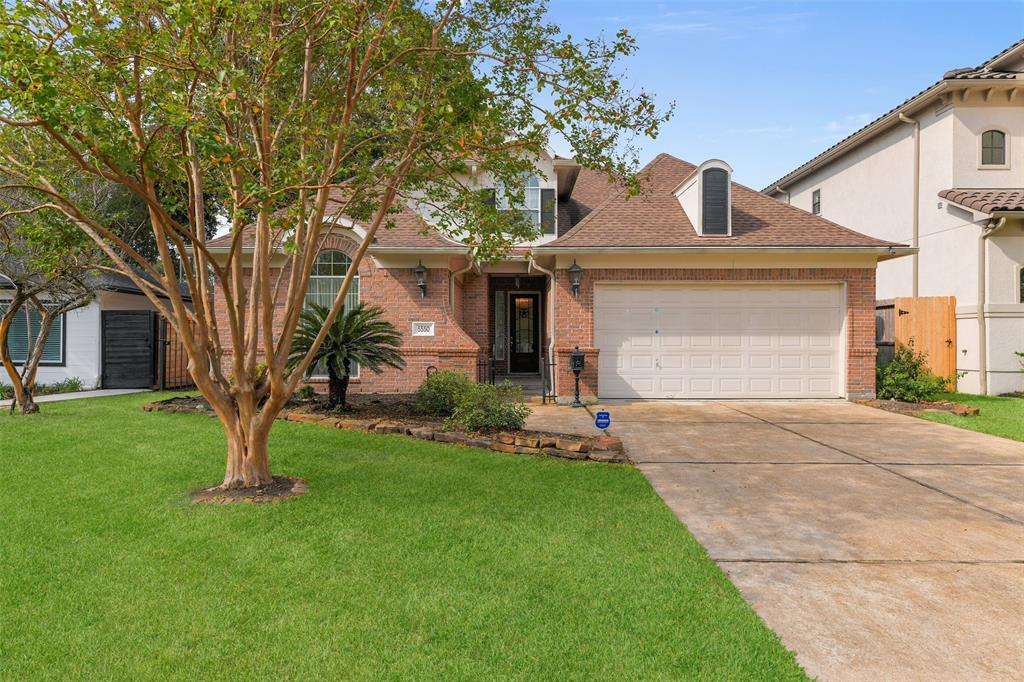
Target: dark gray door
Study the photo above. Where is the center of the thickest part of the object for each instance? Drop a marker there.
(524, 333)
(128, 349)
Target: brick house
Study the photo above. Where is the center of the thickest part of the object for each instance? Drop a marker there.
(697, 288)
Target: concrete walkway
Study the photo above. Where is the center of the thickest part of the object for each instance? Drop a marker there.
(878, 546)
(78, 395)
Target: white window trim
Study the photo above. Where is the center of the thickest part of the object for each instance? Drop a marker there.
(1006, 150)
(502, 203)
(359, 296)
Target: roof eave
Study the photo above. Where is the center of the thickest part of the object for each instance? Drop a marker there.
(886, 252)
(854, 140)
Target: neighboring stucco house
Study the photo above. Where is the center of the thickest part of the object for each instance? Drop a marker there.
(697, 288)
(112, 342)
(943, 171)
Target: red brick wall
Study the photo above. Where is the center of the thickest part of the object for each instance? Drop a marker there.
(396, 292)
(574, 319)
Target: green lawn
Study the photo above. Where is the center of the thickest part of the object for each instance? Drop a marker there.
(999, 416)
(407, 560)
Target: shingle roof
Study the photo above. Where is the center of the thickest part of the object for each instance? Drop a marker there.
(592, 189)
(655, 219)
(986, 200)
(409, 230)
(981, 72)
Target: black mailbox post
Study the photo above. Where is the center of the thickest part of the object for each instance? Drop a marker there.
(576, 361)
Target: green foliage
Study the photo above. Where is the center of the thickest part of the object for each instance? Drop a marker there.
(307, 392)
(906, 377)
(69, 385)
(488, 407)
(358, 336)
(440, 392)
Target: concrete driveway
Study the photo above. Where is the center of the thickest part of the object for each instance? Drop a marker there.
(878, 546)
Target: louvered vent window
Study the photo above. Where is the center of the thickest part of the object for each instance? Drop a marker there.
(715, 210)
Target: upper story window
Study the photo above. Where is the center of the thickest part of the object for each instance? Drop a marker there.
(816, 202)
(531, 204)
(1020, 278)
(993, 148)
(715, 208)
(538, 204)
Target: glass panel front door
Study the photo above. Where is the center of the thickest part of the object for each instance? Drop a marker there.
(524, 333)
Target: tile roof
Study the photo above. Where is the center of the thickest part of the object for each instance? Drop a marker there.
(409, 231)
(981, 72)
(656, 219)
(986, 200)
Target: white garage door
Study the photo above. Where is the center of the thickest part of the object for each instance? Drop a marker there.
(719, 340)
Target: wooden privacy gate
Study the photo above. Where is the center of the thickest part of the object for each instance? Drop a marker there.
(930, 321)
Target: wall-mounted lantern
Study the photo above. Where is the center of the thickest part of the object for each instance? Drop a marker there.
(575, 277)
(421, 279)
(576, 361)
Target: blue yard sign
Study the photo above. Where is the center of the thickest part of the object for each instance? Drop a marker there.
(603, 420)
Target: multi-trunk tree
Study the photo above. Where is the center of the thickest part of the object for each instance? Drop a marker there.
(272, 108)
(47, 269)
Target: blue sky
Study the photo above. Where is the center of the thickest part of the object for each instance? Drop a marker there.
(767, 85)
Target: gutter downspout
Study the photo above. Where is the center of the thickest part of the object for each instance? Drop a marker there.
(451, 284)
(914, 241)
(986, 232)
(532, 264)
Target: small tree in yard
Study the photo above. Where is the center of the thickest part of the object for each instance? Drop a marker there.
(359, 336)
(49, 271)
(269, 108)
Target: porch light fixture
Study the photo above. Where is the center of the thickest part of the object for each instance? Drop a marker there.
(421, 279)
(575, 277)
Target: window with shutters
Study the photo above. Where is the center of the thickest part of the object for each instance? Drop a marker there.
(993, 148)
(539, 205)
(324, 284)
(25, 330)
(715, 208)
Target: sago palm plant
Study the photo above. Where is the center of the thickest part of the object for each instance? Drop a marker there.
(358, 336)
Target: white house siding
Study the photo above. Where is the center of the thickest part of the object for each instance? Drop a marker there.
(82, 355)
(870, 189)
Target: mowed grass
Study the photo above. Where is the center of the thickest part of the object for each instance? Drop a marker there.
(407, 560)
(999, 416)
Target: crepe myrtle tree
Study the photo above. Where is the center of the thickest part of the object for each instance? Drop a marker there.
(48, 267)
(275, 107)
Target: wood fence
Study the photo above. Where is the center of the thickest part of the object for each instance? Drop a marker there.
(927, 322)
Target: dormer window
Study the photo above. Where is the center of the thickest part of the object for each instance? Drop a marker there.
(706, 199)
(993, 148)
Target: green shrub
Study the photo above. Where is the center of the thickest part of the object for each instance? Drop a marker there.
(69, 385)
(439, 392)
(906, 377)
(306, 393)
(485, 407)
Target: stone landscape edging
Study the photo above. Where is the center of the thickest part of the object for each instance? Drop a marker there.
(604, 449)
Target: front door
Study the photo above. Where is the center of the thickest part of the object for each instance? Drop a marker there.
(524, 333)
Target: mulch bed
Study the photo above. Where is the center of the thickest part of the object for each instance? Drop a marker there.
(397, 414)
(281, 489)
(911, 409)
